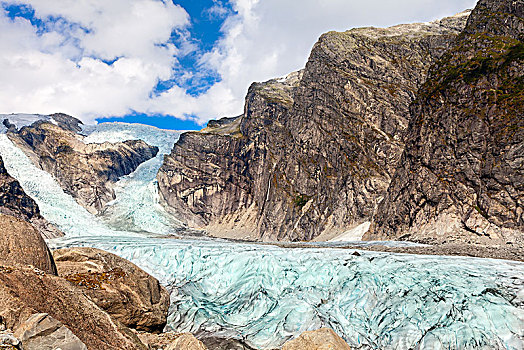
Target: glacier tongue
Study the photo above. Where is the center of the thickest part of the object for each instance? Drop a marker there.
(265, 294)
(55, 205)
(137, 206)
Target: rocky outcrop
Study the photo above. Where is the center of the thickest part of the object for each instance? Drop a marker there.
(28, 291)
(14, 201)
(86, 171)
(42, 332)
(313, 152)
(23, 245)
(461, 176)
(321, 339)
(124, 291)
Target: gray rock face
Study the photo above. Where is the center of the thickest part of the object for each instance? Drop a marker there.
(461, 176)
(313, 152)
(86, 171)
(42, 332)
(14, 201)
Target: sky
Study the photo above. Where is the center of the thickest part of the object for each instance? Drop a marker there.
(170, 63)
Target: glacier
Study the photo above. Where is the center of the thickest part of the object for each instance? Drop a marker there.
(263, 294)
(137, 206)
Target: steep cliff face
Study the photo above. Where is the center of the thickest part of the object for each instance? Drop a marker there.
(86, 171)
(461, 176)
(313, 152)
(14, 201)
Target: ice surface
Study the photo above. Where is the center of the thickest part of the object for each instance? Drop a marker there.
(265, 295)
(21, 119)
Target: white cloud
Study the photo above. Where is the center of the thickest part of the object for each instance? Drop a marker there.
(63, 70)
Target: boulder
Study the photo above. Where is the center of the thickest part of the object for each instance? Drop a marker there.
(126, 292)
(186, 341)
(171, 340)
(23, 245)
(27, 291)
(43, 332)
(321, 339)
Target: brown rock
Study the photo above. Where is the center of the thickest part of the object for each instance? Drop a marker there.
(43, 332)
(24, 292)
(126, 292)
(186, 341)
(23, 245)
(321, 339)
(9, 342)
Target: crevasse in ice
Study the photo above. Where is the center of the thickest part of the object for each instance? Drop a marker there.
(264, 294)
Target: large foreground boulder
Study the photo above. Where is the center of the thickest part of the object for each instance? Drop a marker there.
(126, 292)
(23, 245)
(28, 291)
(321, 339)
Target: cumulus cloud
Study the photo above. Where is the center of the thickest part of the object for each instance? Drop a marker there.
(99, 58)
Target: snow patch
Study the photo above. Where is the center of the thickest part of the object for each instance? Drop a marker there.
(354, 234)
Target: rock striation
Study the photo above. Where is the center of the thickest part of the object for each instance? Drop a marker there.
(127, 293)
(86, 171)
(14, 201)
(461, 176)
(313, 152)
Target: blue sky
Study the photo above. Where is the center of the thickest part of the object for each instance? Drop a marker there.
(172, 64)
(205, 31)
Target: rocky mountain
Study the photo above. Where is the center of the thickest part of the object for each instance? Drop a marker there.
(461, 176)
(314, 152)
(15, 202)
(86, 171)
